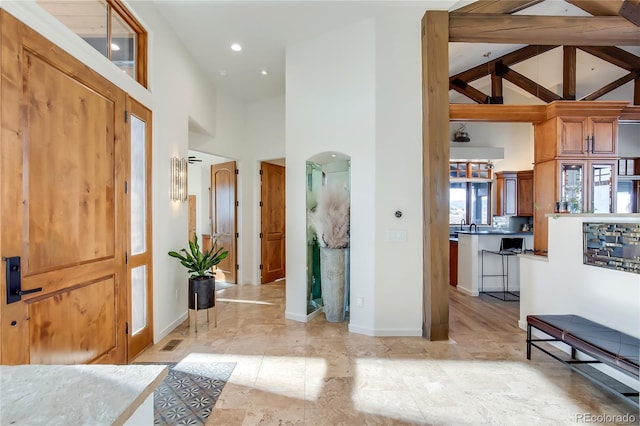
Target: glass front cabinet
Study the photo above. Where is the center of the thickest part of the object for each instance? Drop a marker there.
(587, 186)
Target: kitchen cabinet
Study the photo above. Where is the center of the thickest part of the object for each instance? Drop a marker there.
(514, 193)
(584, 185)
(582, 130)
(587, 136)
(575, 152)
(453, 262)
(525, 193)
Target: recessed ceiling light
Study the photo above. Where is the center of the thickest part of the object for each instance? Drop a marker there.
(236, 47)
(223, 73)
(333, 155)
(264, 72)
(115, 47)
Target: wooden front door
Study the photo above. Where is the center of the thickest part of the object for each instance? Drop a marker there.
(62, 205)
(223, 216)
(272, 216)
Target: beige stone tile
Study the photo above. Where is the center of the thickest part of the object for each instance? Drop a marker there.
(318, 373)
(226, 416)
(277, 417)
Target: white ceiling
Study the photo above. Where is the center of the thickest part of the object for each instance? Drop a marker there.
(265, 28)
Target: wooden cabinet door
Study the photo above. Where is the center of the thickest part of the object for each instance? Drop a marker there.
(604, 136)
(453, 263)
(507, 193)
(525, 193)
(572, 136)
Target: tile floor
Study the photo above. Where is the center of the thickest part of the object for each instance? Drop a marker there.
(320, 374)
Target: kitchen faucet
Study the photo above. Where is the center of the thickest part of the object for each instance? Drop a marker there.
(473, 225)
(462, 222)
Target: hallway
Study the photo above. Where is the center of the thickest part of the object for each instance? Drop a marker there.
(320, 374)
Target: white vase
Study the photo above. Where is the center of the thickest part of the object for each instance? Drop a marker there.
(332, 273)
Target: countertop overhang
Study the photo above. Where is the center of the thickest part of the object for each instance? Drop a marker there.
(75, 394)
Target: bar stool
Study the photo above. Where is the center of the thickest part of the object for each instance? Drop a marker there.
(508, 247)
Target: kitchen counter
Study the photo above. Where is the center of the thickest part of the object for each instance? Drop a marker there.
(79, 394)
(470, 268)
(495, 232)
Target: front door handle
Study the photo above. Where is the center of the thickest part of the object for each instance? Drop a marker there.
(14, 280)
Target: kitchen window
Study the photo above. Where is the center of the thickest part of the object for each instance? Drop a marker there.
(470, 193)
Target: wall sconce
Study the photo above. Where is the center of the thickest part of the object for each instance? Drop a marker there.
(178, 179)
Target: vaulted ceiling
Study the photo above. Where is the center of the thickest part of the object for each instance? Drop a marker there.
(573, 66)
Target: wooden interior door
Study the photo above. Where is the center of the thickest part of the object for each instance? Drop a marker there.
(139, 249)
(192, 218)
(62, 205)
(223, 216)
(272, 214)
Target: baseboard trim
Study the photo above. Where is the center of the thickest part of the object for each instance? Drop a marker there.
(467, 292)
(296, 317)
(168, 329)
(385, 332)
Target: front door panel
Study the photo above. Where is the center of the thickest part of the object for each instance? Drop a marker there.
(62, 205)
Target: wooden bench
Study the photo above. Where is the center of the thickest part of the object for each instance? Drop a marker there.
(603, 344)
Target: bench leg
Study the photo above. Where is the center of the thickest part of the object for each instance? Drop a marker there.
(528, 341)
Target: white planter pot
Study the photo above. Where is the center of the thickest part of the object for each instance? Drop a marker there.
(332, 273)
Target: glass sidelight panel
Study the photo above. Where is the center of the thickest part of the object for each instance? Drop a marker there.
(138, 186)
(571, 180)
(601, 199)
(138, 299)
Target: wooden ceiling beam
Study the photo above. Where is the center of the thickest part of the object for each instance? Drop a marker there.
(610, 87)
(544, 30)
(569, 72)
(469, 91)
(630, 10)
(527, 84)
(497, 6)
(498, 113)
(512, 58)
(598, 7)
(614, 55)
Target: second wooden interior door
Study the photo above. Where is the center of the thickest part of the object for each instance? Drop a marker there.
(273, 259)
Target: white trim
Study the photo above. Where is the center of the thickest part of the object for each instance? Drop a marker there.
(295, 317)
(386, 332)
(314, 314)
(467, 292)
(161, 335)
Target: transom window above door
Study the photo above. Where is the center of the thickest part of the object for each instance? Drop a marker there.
(109, 28)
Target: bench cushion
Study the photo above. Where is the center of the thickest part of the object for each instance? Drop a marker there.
(597, 340)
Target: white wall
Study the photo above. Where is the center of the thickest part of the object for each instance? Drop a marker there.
(266, 137)
(332, 108)
(398, 178)
(173, 101)
(515, 138)
(562, 284)
(368, 108)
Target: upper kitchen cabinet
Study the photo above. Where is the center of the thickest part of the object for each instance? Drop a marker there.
(580, 130)
(514, 193)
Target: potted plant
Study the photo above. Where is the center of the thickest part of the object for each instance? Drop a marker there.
(330, 220)
(200, 267)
